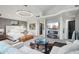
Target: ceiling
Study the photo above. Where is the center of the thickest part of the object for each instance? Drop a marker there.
(9, 11)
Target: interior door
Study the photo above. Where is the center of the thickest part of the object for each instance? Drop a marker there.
(71, 28)
(41, 28)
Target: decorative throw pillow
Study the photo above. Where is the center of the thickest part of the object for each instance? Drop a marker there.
(14, 36)
(41, 40)
(25, 38)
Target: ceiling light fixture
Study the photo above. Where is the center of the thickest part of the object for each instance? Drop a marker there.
(24, 13)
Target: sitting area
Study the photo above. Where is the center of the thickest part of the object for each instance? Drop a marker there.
(44, 46)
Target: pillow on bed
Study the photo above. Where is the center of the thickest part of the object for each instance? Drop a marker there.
(14, 36)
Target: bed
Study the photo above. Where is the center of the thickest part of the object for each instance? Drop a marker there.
(18, 33)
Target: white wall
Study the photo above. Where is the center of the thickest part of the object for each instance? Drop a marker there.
(61, 34)
(37, 22)
(65, 29)
(77, 21)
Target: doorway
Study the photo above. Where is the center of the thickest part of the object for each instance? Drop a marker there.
(41, 28)
(71, 28)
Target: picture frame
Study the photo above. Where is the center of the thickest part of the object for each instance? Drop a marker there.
(14, 22)
(32, 26)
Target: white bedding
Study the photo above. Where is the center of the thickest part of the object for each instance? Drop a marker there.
(14, 35)
(28, 50)
(14, 32)
(8, 49)
(5, 48)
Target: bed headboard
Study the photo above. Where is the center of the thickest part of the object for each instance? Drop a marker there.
(15, 29)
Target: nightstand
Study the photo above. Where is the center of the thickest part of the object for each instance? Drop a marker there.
(2, 37)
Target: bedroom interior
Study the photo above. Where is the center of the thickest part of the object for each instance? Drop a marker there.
(39, 29)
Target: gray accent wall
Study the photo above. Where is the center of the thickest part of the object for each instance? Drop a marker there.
(5, 22)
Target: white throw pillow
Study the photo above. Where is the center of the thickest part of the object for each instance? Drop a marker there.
(14, 36)
(54, 50)
(76, 42)
(67, 49)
